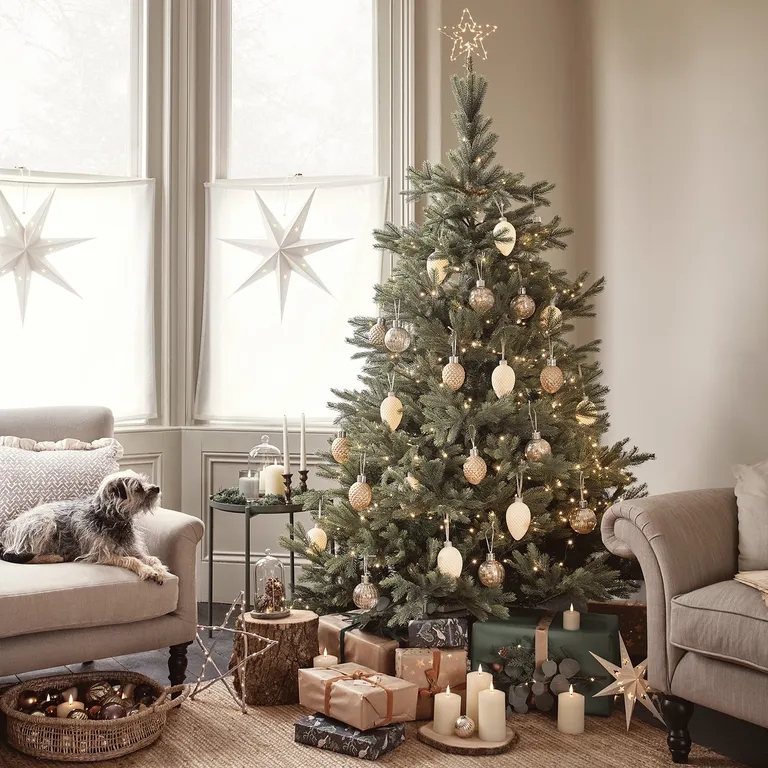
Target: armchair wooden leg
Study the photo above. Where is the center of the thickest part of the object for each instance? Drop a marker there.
(177, 664)
(677, 714)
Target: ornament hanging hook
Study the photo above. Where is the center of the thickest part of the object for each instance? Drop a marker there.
(519, 479)
(362, 464)
(454, 342)
(581, 485)
(493, 533)
(479, 265)
(447, 527)
(473, 435)
(391, 381)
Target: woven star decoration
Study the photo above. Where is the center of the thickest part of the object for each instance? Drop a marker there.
(285, 251)
(630, 682)
(468, 37)
(23, 250)
(201, 684)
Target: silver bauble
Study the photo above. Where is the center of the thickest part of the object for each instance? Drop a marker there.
(481, 299)
(366, 595)
(464, 727)
(583, 519)
(491, 572)
(551, 377)
(453, 374)
(537, 448)
(397, 338)
(377, 333)
(523, 306)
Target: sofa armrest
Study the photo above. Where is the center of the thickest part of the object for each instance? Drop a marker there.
(683, 541)
(173, 537)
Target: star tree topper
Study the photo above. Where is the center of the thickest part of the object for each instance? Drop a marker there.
(285, 251)
(23, 250)
(468, 37)
(630, 682)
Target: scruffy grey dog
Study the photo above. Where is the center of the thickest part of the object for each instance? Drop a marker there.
(100, 529)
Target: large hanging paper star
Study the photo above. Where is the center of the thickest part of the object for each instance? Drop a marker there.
(630, 682)
(23, 250)
(286, 252)
(468, 37)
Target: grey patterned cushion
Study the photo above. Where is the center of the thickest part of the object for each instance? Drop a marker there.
(752, 500)
(34, 473)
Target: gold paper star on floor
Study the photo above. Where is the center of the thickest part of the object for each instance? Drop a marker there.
(468, 37)
(23, 250)
(630, 682)
(201, 684)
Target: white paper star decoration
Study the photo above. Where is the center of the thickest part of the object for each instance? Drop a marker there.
(23, 250)
(630, 682)
(285, 252)
(468, 37)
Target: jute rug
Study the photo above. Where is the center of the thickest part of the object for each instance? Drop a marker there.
(212, 733)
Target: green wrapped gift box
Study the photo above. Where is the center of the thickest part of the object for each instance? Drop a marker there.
(599, 633)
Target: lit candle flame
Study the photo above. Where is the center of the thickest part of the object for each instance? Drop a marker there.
(571, 606)
(491, 688)
(570, 690)
(447, 690)
(325, 651)
(479, 667)
(71, 698)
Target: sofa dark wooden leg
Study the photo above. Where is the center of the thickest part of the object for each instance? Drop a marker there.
(177, 664)
(677, 714)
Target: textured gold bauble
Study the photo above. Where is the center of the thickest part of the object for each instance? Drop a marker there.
(550, 316)
(437, 268)
(360, 494)
(475, 467)
(377, 333)
(365, 595)
(586, 412)
(397, 338)
(453, 374)
(491, 572)
(340, 449)
(464, 727)
(537, 448)
(523, 306)
(391, 411)
(551, 377)
(583, 519)
(481, 299)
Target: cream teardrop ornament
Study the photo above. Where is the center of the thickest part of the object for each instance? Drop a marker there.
(449, 560)
(506, 231)
(518, 518)
(437, 267)
(391, 411)
(453, 374)
(503, 379)
(475, 467)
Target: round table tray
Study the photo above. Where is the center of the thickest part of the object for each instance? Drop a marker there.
(473, 746)
(264, 509)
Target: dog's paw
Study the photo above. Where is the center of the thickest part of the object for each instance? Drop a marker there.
(154, 562)
(148, 573)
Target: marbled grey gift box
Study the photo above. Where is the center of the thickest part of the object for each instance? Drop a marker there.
(326, 733)
(452, 632)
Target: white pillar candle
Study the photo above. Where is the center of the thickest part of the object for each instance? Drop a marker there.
(303, 445)
(273, 479)
(476, 682)
(447, 711)
(262, 483)
(570, 712)
(325, 660)
(491, 715)
(68, 706)
(249, 486)
(286, 453)
(571, 619)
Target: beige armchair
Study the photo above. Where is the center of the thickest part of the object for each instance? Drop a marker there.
(52, 615)
(707, 634)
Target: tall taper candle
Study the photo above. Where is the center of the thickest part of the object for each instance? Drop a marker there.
(303, 446)
(286, 452)
(476, 682)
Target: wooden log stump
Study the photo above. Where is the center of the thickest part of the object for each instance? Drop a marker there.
(273, 677)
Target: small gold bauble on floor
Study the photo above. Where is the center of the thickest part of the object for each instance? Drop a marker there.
(464, 727)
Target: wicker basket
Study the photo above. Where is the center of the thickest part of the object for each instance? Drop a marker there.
(86, 741)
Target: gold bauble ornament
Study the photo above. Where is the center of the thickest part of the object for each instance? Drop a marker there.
(453, 373)
(464, 727)
(551, 377)
(378, 332)
(537, 448)
(586, 412)
(481, 299)
(360, 494)
(504, 230)
(397, 338)
(583, 519)
(340, 448)
(503, 379)
(475, 467)
(550, 316)
(437, 267)
(365, 595)
(491, 572)
(391, 410)
(523, 306)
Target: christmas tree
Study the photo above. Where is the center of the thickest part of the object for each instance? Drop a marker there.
(478, 418)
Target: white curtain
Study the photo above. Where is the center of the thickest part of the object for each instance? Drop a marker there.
(253, 363)
(76, 319)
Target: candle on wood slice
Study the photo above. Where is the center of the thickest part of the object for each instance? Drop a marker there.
(325, 660)
(68, 706)
(273, 479)
(491, 715)
(570, 712)
(447, 711)
(571, 619)
(476, 682)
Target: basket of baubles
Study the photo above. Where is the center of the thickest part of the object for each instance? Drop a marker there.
(89, 716)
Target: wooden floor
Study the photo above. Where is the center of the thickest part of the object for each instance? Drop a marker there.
(738, 740)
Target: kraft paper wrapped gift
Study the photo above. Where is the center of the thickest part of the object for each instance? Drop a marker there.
(358, 696)
(337, 633)
(544, 630)
(432, 670)
(326, 733)
(451, 632)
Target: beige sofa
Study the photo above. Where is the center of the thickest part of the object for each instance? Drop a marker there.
(52, 615)
(707, 634)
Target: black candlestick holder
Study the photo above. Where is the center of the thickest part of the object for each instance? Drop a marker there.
(288, 479)
(303, 475)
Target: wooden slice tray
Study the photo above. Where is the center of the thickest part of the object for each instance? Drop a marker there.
(473, 746)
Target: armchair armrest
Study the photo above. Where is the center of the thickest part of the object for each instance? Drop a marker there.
(173, 537)
(683, 541)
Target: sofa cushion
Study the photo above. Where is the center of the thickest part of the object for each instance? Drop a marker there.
(727, 620)
(752, 501)
(42, 598)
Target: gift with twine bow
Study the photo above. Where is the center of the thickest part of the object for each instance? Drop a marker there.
(432, 669)
(357, 695)
(338, 633)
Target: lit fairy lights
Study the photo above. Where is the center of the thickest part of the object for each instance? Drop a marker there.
(468, 37)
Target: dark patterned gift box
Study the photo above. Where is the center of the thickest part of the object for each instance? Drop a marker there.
(438, 633)
(326, 733)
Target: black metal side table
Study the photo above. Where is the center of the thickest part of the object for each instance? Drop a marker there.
(248, 511)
